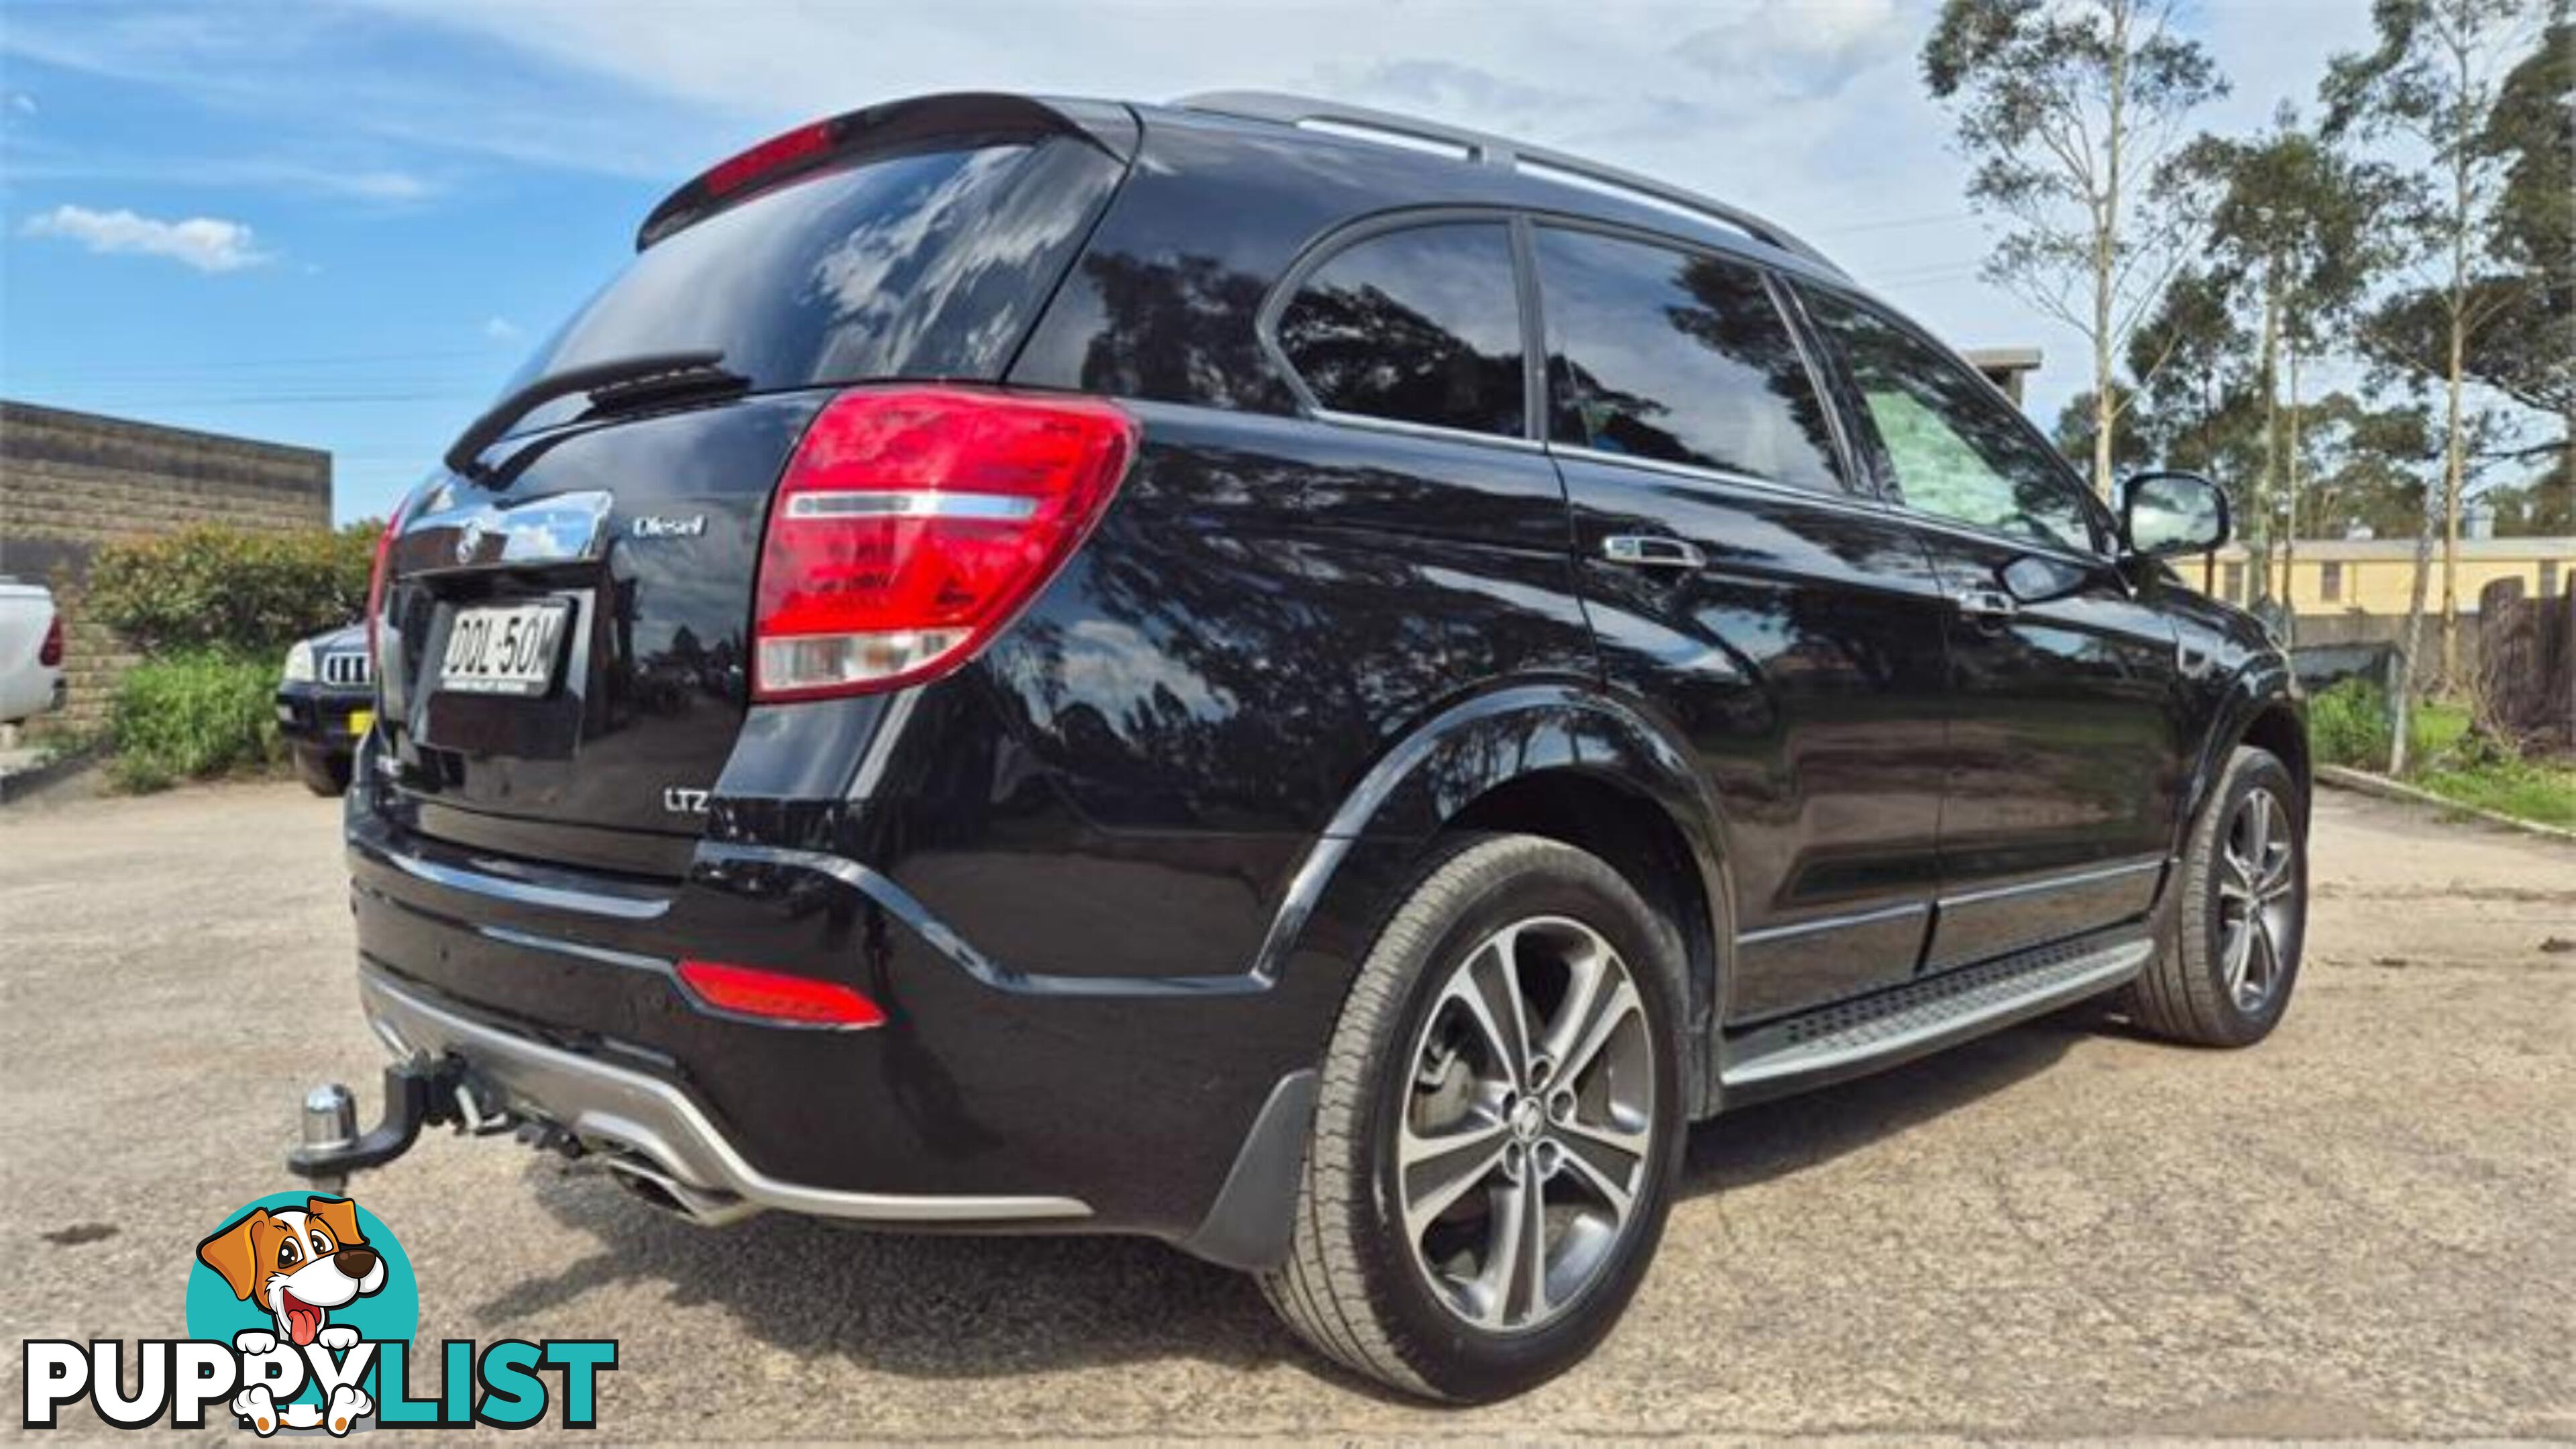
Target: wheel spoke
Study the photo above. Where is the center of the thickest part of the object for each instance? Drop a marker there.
(1586, 975)
(1623, 1004)
(2262, 963)
(1617, 1139)
(2239, 956)
(1608, 1183)
(1437, 1171)
(2238, 883)
(1529, 1293)
(1504, 1033)
(2258, 829)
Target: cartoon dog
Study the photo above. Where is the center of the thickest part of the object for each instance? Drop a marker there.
(298, 1265)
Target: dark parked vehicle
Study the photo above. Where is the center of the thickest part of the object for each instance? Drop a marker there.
(326, 702)
(1075, 667)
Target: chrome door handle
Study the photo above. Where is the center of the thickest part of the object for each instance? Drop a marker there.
(1993, 605)
(1651, 551)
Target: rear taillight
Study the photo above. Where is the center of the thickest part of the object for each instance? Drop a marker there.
(376, 581)
(914, 521)
(50, 653)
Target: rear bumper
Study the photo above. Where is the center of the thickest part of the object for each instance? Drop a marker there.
(992, 1095)
(622, 1111)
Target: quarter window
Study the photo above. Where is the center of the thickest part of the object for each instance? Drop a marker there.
(1677, 356)
(1418, 326)
(1958, 451)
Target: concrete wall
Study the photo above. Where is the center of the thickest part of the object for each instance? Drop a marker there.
(70, 482)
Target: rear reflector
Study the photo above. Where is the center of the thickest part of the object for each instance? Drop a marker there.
(778, 996)
(913, 523)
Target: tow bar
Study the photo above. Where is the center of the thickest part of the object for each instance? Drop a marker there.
(422, 1092)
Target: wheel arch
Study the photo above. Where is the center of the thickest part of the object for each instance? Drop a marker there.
(1560, 759)
(2261, 708)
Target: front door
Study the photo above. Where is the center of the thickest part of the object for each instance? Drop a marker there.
(1789, 626)
(2064, 761)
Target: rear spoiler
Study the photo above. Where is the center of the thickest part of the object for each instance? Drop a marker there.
(891, 128)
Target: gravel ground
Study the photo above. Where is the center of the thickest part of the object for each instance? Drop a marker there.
(2366, 1227)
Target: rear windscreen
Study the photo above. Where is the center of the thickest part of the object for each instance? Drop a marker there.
(930, 263)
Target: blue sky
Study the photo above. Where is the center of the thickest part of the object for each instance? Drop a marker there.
(342, 224)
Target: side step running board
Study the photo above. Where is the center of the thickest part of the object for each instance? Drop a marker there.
(1853, 1038)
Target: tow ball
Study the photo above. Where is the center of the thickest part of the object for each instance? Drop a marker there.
(421, 1092)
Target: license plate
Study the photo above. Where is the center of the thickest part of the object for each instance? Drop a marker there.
(361, 721)
(507, 649)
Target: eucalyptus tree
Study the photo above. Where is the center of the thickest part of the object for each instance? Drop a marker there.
(2069, 110)
(2296, 238)
(2436, 76)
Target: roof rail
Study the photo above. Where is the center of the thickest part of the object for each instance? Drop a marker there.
(1486, 149)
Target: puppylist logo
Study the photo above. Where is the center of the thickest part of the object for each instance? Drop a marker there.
(301, 1313)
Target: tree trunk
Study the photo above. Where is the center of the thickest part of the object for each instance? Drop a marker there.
(2402, 693)
(2106, 248)
(2290, 500)
(2455, 460)
(2268, 483)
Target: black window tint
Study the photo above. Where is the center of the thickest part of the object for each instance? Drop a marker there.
(923, 264)
(1663, 354)
(1421, 326)
(1958, 451)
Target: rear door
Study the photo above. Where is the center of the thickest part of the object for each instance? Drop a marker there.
(2066, 735)
(1786, 623)
(568, 675)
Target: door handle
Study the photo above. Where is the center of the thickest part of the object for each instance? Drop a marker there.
(1992, 606)
(1652, 551)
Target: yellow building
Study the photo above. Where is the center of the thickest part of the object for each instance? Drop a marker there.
(2373, 575)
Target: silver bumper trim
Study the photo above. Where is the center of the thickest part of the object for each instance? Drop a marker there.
(601, 1102)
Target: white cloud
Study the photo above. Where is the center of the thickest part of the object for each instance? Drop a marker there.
(203, 242)
(501, 329)
(23, 103)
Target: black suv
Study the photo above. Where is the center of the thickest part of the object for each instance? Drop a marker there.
(1292, 680)
(326, 701)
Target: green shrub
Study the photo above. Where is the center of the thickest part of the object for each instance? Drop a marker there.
(193, 714)
(2351, 725)
(214, 588)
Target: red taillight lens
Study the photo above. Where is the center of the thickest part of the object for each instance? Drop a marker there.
(376, 588)
(913, 521)
(775, 995)
(50, 653)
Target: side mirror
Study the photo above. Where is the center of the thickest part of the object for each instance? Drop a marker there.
(2163, 514)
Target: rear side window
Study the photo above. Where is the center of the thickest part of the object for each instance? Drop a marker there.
(1419, 326)
(1679, 357)
(929, 263)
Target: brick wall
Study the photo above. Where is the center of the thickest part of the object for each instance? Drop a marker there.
(72, 481)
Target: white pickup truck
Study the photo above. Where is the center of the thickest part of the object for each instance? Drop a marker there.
(31, 651)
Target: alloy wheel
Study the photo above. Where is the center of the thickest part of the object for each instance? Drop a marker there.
(2258, 886)
(1524, 1143)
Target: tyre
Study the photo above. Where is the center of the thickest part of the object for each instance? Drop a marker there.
(1497, 1130)
(2225, 976)
(322, 772)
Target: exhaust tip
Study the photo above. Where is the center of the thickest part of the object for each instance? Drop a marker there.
(706, 1207)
